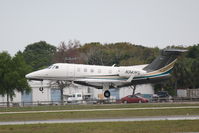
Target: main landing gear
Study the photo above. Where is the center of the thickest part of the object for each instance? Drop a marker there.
(106, 91)
(134, 88)
(107, 94)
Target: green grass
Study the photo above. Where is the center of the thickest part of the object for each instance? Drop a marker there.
(97, 114)
(107, 127)
(100, 106)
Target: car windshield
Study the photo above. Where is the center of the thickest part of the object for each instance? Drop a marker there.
(139, 96)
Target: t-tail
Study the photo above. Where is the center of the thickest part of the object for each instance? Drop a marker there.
(160, 69)
(165, 61)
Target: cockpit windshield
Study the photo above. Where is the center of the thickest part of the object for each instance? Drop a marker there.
(53, 67)
(50, 66)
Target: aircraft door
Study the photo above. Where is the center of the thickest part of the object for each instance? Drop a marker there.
(71, 71)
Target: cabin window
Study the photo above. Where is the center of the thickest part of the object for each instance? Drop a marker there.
(99, 70)
(56, 67)
(85, 70)
(92, 70)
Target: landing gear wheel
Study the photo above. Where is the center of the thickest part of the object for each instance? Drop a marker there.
(107, 94)
(41, 88)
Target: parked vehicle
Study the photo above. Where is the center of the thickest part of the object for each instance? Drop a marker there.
(75, 97)
(134, 99)
(162, 96)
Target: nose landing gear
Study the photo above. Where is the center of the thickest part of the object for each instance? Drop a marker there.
(41, 88)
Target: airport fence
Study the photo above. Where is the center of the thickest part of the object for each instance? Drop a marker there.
(49, 103)
(94, 101)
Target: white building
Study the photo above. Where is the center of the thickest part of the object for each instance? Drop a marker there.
(52, 92)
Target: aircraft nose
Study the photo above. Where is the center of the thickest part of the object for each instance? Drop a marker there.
(37, 75)
(33, 75)
(30, 75)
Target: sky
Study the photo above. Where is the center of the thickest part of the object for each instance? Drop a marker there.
(151, 23)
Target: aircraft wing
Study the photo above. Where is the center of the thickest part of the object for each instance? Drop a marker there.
(98, 82)
(114, 79)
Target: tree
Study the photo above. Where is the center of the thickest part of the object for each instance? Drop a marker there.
(121, 53)
(93, 53)
(68, 52)
(195, 73)
(5, 65)
(39, 54)
(12, 75)
(193, 52)
(20, 67)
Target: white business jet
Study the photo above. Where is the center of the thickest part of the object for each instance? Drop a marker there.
(105, 77)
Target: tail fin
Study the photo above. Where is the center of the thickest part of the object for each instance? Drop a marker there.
(167, 56)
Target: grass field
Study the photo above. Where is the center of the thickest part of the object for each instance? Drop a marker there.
(104, 127)
(107, 127)
(99, 114)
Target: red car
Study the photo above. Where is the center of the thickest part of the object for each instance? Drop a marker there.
(134, 99)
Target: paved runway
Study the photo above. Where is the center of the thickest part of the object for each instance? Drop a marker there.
(154, 118)
(112, 109)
